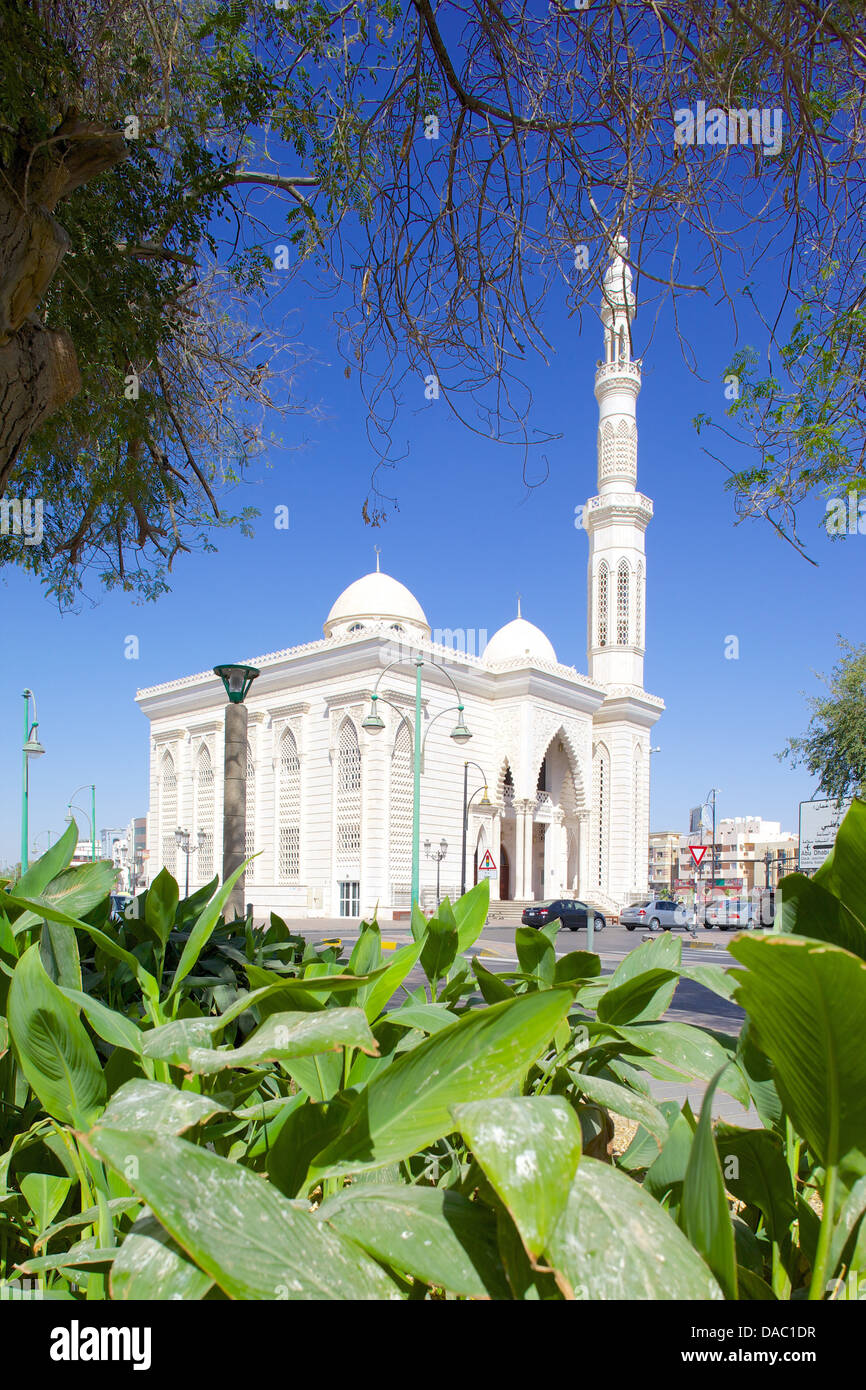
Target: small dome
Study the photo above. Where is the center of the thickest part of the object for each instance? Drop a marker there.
(519, 638)
(372, 599)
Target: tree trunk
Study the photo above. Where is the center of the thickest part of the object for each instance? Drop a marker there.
(38, 367)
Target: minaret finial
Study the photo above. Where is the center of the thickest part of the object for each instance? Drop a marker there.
(377, 550)
(518, 605)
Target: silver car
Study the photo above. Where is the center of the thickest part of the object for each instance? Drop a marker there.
(659, 914)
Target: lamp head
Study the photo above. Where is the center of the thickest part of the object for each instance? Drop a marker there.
(237, 681)
(460, 733)
(443, 845)
(33, 748)
(485, 800)
(374, 722)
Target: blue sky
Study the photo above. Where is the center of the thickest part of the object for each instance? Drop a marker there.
(467, 537)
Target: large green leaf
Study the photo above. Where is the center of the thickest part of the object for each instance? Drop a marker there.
(52, 913)
(622, 1100)
(157, 1108)
(704, 1212)
(235, 1225)
(203, 929)
(52, 1045)
(58, 947)
(646, 996)
(807, 1001)
(470, 914)
(150, 1266)
(114, 1027)
(438, 949)
(432, 1234)
(44, 1194)
(74, 891)
(755, 1171)
(431, 1018)
(395, 973)
(160, 907)
(285, 1036)
(493, 988)
(614, 1242)
(694, 1052)
(529, 1148)
(807, 907)
(536, 953)
(172, 1042)
(409, 1104)
(55, 859)
(841, 874)
(576, 965)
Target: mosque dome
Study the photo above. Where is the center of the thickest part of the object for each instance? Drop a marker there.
(376, 598)
(517, 639)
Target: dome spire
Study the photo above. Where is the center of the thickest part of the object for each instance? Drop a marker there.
(378, 550)
(518, 606)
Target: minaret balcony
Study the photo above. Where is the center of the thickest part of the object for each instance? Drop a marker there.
(618, 372)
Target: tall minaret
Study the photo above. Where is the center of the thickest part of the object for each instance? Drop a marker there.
(617, 518)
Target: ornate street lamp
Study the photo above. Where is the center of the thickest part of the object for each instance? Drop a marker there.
(237, 681)
(31, 748)
(181, 839)
(374, 723)
(438, 855)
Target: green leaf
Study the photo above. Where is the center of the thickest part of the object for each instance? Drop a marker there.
(58, 947)
(438, 950)
(150, 1266)
(693, 1052)
(160, 907)
(666, 1174)
(409, 1104)
(367, 953)
(529, 1148)
(807, 1001)
(841, 874)
(704, 1212)
(809, 908)
(758, 1071)
(157, 1108)
(576, 965)
(623, 1101)
(847, 1223)
(647, 996)
(536, 953)
(55, 859)
(114, 1027)
(201, 932)
(172, 1042)
(755, 1170)
(614, 1242)
(304, 1133)
(432, 1234)
(235, 1225)
(430, 1018)
(44, 1194)
(493, 988)
(285, 1036)
(52, 1045)
(384, 987)
(105, 942)
(89, 1217)
(74, 891)
(470, 914)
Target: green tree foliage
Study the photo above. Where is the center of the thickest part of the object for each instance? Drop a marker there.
(834, 745)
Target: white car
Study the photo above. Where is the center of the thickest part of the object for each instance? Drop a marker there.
(659, 914)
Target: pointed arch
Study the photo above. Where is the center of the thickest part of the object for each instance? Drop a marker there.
(250, 839)
(168, 812)
(602, 588)
(601, 816)
(203, 818)
(623, 603)
(570, 795)
(348, 800)
(400, 814)
(289, 826)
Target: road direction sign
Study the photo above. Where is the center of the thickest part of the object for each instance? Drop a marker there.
(819, 821)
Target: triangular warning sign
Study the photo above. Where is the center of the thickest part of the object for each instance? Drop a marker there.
(698, 852)
(487, 861)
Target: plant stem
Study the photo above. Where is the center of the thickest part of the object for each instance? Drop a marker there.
(822, 1254)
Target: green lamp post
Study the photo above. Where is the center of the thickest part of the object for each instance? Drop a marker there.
(31, 748)
(237, 680)
(91, 787)
(374, 724)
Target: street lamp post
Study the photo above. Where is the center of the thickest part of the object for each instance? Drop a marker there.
(31, 748)
(438, 855)
(237, 681)
(485, 801)
(86, 786)
(182, 840)
(374, 724)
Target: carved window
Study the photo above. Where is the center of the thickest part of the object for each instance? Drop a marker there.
(622, 603)
(289, 865)
(204, 813)
(601, 809)
(250, 840)
(348, 801)
(168, 813)
(638, 608)
(400, 815)
(601, 604)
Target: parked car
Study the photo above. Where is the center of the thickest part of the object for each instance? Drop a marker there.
(657, 914)
(568, 911)
(739, 914)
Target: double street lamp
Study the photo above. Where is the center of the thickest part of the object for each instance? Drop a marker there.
(485, 801)
(182, 840)
(31, 748)
(438, 855)
(374, 724)
(86, 786)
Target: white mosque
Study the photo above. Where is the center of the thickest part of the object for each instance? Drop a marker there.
(565, 757)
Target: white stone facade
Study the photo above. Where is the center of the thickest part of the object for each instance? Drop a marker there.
(566, 757)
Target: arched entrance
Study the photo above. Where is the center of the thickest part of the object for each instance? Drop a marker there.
(504, 874)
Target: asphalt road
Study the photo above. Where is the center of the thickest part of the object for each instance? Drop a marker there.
(692, 1003)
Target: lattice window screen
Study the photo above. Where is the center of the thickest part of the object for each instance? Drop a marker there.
(638, 610)
(290, 808)
(601, 602)
(168, 813)
(250, 841)
(622, 603)
(601, 807)
(204, 813)
(400, 811)
(348, 801)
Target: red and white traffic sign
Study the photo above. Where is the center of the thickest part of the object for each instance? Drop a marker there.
(698, 852)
